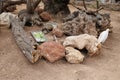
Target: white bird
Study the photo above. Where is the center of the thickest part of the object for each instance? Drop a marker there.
(103, 36)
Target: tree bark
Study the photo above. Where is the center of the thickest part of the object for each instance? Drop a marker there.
(4, 4)
(30, 6)
(36, 3)
(84, 5)
(23, 41)
(29, 15)
(1, 6)
(56, 6)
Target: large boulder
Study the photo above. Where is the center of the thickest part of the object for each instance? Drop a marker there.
(84, 41)
(52, 51)
(73, 55)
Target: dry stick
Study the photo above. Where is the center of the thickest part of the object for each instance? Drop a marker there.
(55, 38)
(97, 4)
(9, 3)
(84, 5)
(36, 3)
(99, 9)
(1, 6)
(75, 6)
(30, 6)
(86, 11)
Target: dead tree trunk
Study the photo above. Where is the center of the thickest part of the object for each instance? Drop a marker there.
(56, 6)
(23, 41)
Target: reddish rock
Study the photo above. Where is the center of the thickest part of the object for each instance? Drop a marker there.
(57, 32)
(39, 10)
(52, 51)
(45, 16)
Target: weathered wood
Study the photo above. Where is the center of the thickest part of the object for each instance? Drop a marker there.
(29, 15)
(84, 5)
(8, 3)
(1, 6)
(57, 6)
(30, 6)
(36, 3)
(23, 41)
(4, 4)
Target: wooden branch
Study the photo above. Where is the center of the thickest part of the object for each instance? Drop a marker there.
(84, 5)
(99, 9)
(36, 3)
(30, 6)
(97, 4)
(1, 6)
(23, 41)
(75, 6)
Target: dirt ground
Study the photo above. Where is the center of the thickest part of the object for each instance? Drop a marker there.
(106, 66)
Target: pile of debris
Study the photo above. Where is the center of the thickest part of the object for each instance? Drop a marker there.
(80, 35)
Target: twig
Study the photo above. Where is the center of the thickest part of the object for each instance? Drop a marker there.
(99, 9)
(84, 5)
(75, 6)
(55, 38)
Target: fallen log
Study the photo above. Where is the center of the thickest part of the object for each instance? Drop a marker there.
(23, 41)
(9, 6)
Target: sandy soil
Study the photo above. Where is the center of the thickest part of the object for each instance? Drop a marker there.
(106, 66)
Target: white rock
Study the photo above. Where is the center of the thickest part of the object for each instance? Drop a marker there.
(73, 55)
(83, 41)
(4, 18)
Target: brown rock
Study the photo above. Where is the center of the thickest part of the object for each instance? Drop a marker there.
(52, 51)
(39, 10)
(45, 16)
(57, 32)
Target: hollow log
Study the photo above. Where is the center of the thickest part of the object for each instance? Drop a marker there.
(23, 41)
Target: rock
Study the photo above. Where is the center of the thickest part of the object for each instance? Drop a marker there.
(84, 41)
(45, 16)
(57, 32)
(39, 10)
(52, 51)
(73, 55)
(49, 26)
(4, 18)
